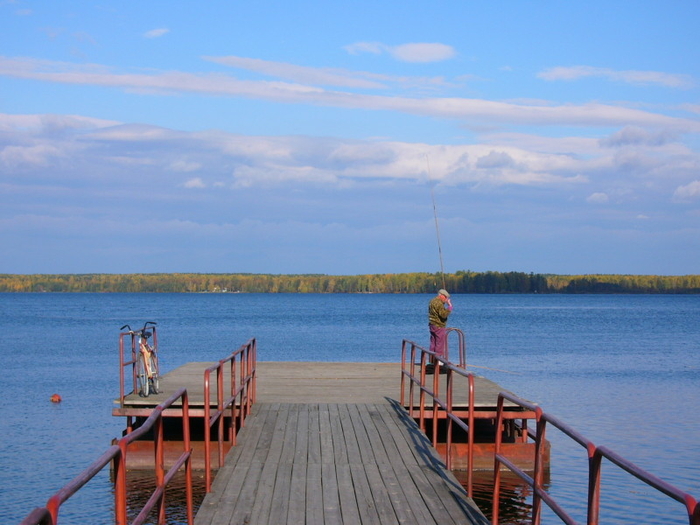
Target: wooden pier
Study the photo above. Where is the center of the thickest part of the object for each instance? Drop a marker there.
(327, 443)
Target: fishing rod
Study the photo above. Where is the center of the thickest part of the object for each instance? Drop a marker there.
(437, 225)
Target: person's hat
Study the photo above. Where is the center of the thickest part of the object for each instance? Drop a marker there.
(444, 292)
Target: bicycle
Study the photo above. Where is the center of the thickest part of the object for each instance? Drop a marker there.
(146, 362)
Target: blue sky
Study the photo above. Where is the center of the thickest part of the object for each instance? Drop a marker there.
(311, 137)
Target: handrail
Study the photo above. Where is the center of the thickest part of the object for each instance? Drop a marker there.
(461, 346)
(408, 372)
(595, 457)
(117, 454)
(246, 355)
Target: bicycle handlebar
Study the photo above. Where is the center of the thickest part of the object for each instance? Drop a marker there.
(142, 332)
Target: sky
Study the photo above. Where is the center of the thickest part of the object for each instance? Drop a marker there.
(349, 138)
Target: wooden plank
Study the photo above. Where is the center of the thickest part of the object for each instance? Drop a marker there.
(340, 449)
(347, 495)
(269, 448)
(380, 494)
(331, 498)
(348, 434)
(297, 495)
(363, 494)
(241, 471)
(363, 442)
(301, 450)
(289, 444)
(398, 471)
(444, 492)
(414, 449)
(249, 437)
(325, 430)
(314, 494)
(314, 429)
(281, 496)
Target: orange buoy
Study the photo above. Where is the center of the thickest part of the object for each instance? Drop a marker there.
(55, 398)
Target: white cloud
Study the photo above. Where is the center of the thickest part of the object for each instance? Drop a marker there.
(471, 110)
(423, 52)
(629, 77)
(303, 74)
(411, 52)
(185, 166)
(688, 192)
(323, 76)
(248, 161)
(156, 33)
(598, 198)
(495, 159)
(35, 155)
(693, 108)
(196, 182)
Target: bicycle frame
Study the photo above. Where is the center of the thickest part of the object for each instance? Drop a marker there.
(134, 336)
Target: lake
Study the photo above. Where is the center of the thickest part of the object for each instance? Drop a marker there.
(624, 370)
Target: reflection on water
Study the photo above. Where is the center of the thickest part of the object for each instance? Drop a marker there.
(140, 487)
(515, 505)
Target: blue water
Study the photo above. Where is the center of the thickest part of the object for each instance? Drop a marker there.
(623, 370)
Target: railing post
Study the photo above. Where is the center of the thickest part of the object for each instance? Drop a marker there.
(207, 433)
(120, 484)
(595, 462)
(160, 467)
(187, 448)
(448, 444)
(694, 514)
(220, 410)
(121, 370)
(436, 392)
(539, 471)
(412, 382)
(470, 436)
(232, 395)
(496, 503)
(403, 373)
(421, 395)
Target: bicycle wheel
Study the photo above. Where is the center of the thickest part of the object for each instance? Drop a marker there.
(142, 376)
(154, 380)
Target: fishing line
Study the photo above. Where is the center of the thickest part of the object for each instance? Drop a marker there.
(437, 225)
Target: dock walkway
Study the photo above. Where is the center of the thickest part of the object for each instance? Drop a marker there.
(327, 443)
(334, 463)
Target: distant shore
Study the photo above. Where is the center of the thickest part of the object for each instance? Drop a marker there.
(463, 281)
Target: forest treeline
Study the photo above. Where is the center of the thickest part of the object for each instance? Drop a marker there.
(459, 282)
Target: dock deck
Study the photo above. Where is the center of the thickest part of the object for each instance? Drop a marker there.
(327, 443)
(307, 382)
(334, 463)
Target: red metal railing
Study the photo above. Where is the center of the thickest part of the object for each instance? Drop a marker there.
(117, 454)
(595, 458)
(442, 407)
(243, 361)
(408, 373)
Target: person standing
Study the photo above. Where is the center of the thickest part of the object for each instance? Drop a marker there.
(439, 310)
